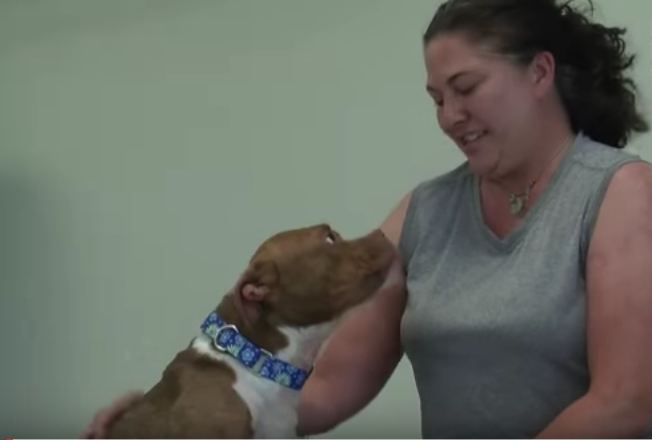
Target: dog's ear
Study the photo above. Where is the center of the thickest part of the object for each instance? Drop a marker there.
(253, 288)
(258, 281)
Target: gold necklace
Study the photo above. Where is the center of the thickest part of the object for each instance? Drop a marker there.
(518, 202)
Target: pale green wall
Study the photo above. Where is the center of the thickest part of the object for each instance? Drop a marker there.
(147, 147)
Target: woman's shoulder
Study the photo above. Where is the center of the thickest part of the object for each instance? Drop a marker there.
(594, 155)
(424, 190)
(444, 183)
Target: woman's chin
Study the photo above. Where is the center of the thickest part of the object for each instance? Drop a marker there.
(479, 167)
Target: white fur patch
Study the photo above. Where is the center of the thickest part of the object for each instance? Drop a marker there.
(304, 343)
(272, 407)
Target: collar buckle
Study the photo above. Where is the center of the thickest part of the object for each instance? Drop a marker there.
(230, 330)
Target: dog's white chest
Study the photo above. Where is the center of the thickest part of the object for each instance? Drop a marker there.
(273, 408)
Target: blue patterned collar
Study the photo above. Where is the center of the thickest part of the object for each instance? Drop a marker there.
(227, 339)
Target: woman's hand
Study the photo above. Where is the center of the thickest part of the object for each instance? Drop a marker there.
(99, 427)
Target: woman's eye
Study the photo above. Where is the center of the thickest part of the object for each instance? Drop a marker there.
(465, 90)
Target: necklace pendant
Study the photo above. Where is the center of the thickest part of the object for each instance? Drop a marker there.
(517, 204)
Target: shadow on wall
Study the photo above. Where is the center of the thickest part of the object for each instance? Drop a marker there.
(34, 311)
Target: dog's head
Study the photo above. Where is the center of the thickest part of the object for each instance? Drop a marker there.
(311, 275)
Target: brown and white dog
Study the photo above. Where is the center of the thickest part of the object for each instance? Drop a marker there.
(286, 303)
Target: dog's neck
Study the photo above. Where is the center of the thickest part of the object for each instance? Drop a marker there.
(304, 343)
(272, 406)
(296, 345)
(258, 331)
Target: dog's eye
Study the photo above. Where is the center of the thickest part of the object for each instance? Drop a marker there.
(330, 238)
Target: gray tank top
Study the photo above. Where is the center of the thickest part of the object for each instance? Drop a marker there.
(495, 329)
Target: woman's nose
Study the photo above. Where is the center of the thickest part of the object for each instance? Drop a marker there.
(451, 114)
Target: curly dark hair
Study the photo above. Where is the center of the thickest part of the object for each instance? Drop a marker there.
(591, 59)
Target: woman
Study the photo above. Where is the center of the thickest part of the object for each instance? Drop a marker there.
(529, 294)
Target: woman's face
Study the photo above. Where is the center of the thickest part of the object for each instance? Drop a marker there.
(485, 102)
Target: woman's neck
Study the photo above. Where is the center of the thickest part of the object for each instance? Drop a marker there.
(541, 160)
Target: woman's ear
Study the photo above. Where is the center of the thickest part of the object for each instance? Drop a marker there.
(542, 72)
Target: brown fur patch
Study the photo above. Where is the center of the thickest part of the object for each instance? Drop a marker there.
(194, 399)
